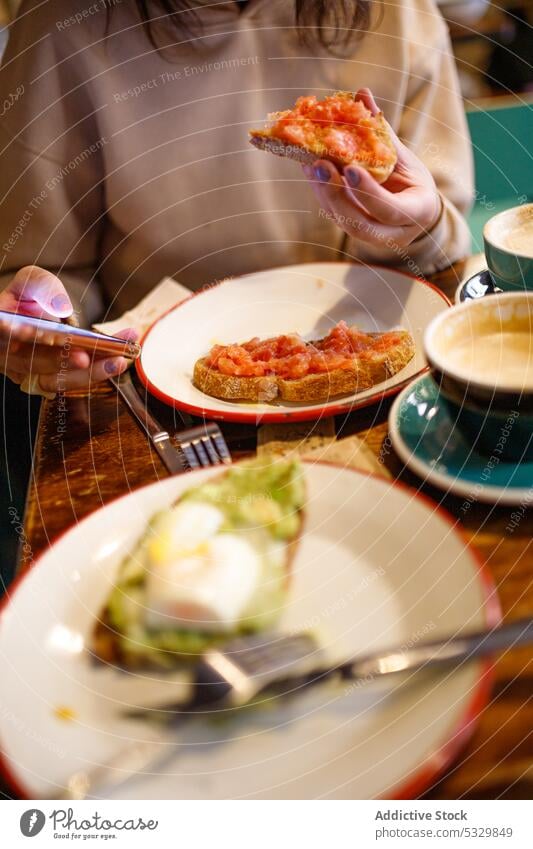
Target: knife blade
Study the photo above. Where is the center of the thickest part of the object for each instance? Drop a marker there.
(160, 439)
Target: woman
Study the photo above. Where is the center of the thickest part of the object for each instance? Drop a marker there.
(125, 157)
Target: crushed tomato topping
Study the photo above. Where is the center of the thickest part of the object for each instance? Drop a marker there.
(291, 357)
(337, 126)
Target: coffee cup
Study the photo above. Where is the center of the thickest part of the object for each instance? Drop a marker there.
(508, 241)
(481, 357)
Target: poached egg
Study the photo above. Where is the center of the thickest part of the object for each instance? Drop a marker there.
(199, 577)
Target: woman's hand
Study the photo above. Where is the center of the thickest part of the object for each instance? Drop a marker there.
(39, 293)
(395, 213)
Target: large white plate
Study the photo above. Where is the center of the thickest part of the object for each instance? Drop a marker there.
(377, 566)
(309, 299)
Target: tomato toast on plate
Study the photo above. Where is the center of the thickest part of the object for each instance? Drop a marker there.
(288, 368)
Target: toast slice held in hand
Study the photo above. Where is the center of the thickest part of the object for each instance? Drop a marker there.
(337, 128)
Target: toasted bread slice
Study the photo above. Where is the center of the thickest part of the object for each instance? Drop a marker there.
(313, 388)
(106, 644)
(370, 144)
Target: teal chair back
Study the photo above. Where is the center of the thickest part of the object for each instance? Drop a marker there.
(502, 139)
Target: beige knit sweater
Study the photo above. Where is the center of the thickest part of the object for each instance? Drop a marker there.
(120, 164)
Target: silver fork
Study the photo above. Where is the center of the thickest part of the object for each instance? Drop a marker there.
(234, 674)
(200, 445)
(203, 445)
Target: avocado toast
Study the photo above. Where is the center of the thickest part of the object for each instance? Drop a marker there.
(214, 565)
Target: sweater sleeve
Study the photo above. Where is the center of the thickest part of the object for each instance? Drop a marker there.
(51, 160)
(433, 125)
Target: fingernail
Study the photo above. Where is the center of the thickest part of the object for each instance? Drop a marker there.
(111, 367)
(322, 173)
(129, 334)
(353, 178)
(60, 303)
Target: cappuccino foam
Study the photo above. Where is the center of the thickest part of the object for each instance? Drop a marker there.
(520, 239)
(504, 357)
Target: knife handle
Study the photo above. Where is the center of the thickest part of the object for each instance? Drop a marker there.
(446, 652)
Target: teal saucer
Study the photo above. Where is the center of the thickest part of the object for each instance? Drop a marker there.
(424, 435)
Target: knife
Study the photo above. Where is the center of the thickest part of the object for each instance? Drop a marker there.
(158, 436)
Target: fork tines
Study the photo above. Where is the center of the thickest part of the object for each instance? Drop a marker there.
(203, 445)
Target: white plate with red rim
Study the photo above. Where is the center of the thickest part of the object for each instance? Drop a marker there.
(309, 299)
(377, 566)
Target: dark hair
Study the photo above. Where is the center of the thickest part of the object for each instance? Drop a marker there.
(330, 22)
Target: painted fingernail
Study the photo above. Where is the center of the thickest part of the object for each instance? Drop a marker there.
(111, 367)
(322, 173)
(130, 334)
(353, 178)
(60, 302)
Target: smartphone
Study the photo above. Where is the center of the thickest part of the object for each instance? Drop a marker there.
(25, 328)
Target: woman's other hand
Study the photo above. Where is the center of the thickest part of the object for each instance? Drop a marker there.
(395, 213)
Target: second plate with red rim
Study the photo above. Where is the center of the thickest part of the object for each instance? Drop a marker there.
(378, 565)
(308, 299)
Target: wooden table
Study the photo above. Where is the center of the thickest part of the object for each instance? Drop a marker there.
(101, 454)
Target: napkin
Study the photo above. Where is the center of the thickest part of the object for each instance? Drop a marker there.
(315, 442)
(294, 437)
(163, 297)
